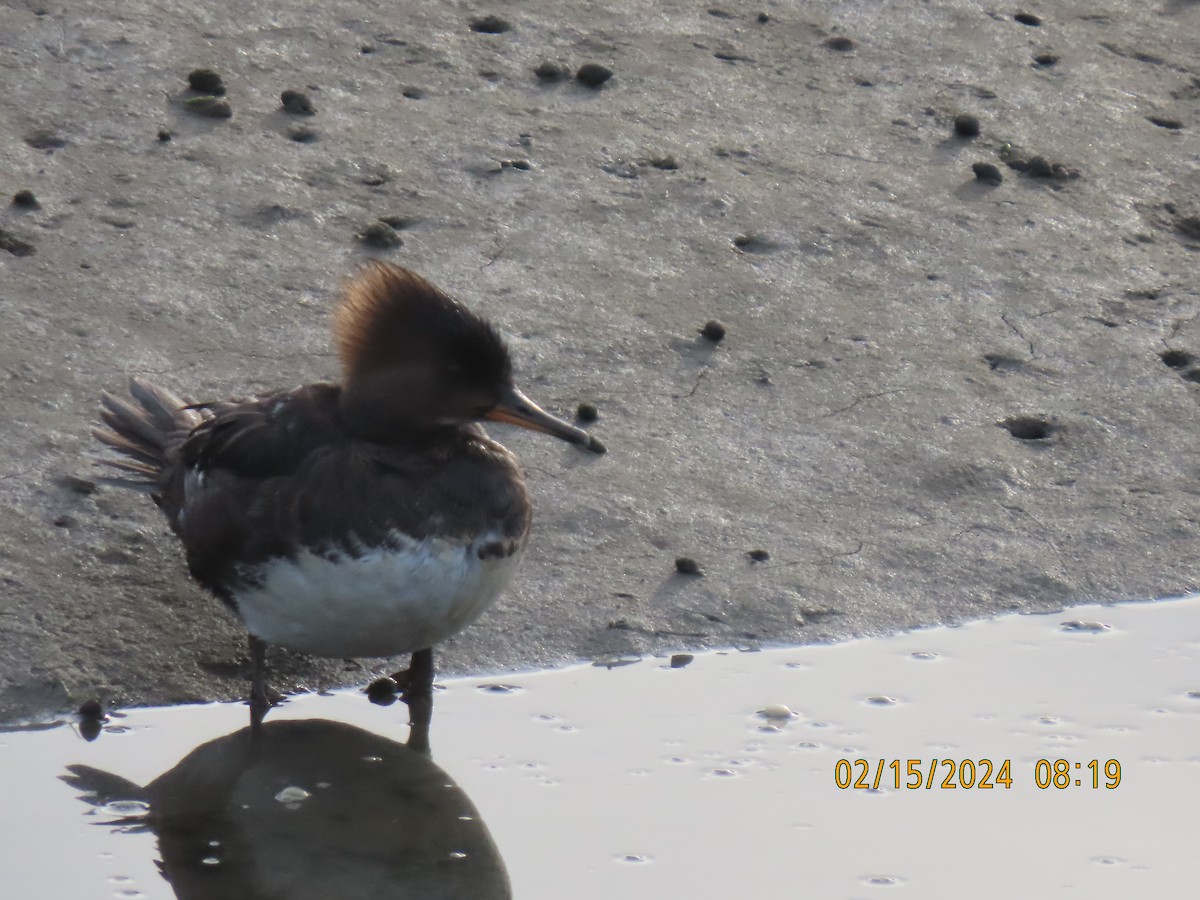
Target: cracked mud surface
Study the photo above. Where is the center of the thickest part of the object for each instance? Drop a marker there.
(896, 331)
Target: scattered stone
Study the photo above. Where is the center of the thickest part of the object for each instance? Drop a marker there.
(685, 565)
(987, 173)
(966, 126)
(680, 660)
(1189, 227)
(587, 412)
(45, 139)
(375, 179)
(1028, 428)
(85, 487)
(713, 331)
(1027, 18)
(206, 81)
(840, 43)
(1040, 167)
(209, 106)
(297, 103)
(399, 222)
(489, 25)
(551, 71)
(593, 74)
(1176, 359)
(1163, 122)
(366, 49)
(763, 18)
(1045, 60)
(302, 134)
(522, 165)
(165, 135)
(14, 245)
(665, 163)
(24, 198)
(413, 93)
(759, 555)
(382, 691)
(381, 235)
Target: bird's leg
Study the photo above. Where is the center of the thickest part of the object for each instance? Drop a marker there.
(262, 698)
(416, 689)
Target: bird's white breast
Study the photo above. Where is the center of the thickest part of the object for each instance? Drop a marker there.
(381, 601)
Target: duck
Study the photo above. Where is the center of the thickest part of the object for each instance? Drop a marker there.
(373, 517)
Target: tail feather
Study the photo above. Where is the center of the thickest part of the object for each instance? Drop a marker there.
(145, 432)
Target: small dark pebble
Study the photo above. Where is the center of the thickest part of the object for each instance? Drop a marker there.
(685, 565)
(489, 25)
(593, 74)
(763, 18)
(1017, 164)
(366, 49)
(841, 43)
(45, 139)
(10, 243)
(398, 222)
(92, 709)
(713, 331)
(679, 660)
(381, 235)
(522, 165)
(85, 487)
(1028, 428)
(551, 71)
(1027, 18)
(1046, 60)
(164, 135)
(759, 555)
(302, 134)
(1161, 122)
(413, 93)
(1040, 167)
(206, 81)
(1176, 359)
(374, 179)
(297, 103)
(382, 691)
(987, 173)
(25, 198)
(665, 163)
(587, 412)
(1189, 227)
(966, 126)
(209, 106)
(64, 522)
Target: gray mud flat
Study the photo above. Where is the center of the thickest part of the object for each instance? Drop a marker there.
(1047, 755)
(937, 395)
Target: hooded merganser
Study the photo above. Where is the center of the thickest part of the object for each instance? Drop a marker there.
(371, 518)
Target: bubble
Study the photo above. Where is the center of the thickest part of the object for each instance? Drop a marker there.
(1087, 627)
(292, 794)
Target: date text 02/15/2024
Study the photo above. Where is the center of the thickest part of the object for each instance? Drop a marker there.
(969, 774)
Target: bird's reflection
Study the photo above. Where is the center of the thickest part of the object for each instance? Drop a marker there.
(308, 809)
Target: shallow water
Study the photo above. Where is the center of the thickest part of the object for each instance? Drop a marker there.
(645, 781)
